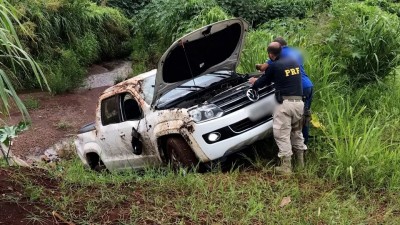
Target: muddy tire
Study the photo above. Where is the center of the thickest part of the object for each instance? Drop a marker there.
(95, 162)
(100, 168)
(180, 155)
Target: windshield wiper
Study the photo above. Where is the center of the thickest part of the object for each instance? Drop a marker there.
(221, 75)
(194, 86)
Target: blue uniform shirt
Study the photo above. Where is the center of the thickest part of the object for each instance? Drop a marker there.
(296, 55)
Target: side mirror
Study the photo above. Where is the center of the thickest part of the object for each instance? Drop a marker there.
(137, 144)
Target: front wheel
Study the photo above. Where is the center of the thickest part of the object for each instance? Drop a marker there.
(180, 154)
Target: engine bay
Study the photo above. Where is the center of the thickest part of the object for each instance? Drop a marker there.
(198, 95)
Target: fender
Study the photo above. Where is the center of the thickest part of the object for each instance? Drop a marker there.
(183, 129)
(168, 127)
(89, 148)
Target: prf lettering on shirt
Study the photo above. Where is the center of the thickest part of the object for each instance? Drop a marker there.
(292, 71)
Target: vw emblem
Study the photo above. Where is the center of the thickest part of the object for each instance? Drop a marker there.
(252, 95)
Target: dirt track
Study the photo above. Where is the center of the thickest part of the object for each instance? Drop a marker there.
(57, 117)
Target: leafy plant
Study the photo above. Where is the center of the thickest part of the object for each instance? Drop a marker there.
(14, 59)
(162, 22)
(129, 7)
(7, 134)
(31, 103)
(391, 6)
(364, 40)
(260, 11)
(87, 49)
(72, 27)
(64, 78)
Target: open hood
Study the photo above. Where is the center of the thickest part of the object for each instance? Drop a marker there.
(214, 47)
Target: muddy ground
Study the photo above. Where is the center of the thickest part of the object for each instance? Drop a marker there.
(56, 117)
(15, 206)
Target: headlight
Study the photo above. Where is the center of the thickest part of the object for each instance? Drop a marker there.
(205, 112)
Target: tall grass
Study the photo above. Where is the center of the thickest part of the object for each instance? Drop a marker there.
(364, 40)
(356, 142)
(13, 59)
(254, 51)
(161, 196)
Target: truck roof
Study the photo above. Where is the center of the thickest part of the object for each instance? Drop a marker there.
(132, 82)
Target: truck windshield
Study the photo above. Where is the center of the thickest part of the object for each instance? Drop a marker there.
(197, 84)
(192, 85)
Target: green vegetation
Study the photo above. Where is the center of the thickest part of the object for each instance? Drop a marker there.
(14, 60)
(161, 22)
(63, 125)
(7, 135)
(351, 53)
(259, 11)
(160, 196)
(352, 56)
(128, 7)
(74, 33)
(31, 103)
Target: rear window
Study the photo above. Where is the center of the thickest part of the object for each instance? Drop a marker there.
(109, 110)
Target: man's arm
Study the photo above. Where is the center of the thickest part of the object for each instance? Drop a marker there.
(262, 67)
(265, 79)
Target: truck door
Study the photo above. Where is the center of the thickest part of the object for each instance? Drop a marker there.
(120, 115)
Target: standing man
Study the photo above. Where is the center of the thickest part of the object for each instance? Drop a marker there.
(287, 122)
(307, 84)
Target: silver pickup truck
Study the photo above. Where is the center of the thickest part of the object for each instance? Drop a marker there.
(193, 109)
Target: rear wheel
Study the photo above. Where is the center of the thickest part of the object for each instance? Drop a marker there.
(180, 154)
(95, 162)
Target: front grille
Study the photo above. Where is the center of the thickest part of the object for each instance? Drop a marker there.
(247, 124)
(239, 100)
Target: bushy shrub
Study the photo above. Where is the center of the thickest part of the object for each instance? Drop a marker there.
(128, 7)
(91, 32)
(113, 31)
(87, 49)
(391, 6)
(205, 17)
(260, 11)
(163, 21)
(65, 72)
(364, 40)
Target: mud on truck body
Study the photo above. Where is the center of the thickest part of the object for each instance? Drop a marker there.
(193, 108)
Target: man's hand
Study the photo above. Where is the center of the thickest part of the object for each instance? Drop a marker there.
(262, 67)
(252, 80)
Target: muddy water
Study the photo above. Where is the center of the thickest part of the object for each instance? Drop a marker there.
(107, 73)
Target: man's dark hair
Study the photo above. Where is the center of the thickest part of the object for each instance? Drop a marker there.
(281, 41)
(273, 49)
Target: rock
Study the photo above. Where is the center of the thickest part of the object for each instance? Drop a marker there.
(51, 154)
(19, 162)
(44, 158)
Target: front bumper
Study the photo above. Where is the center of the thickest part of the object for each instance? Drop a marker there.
(238, 129)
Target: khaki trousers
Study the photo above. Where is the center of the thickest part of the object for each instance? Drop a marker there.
(287, 125)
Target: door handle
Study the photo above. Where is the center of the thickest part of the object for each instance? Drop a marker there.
(102, 138)
(122, 135)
